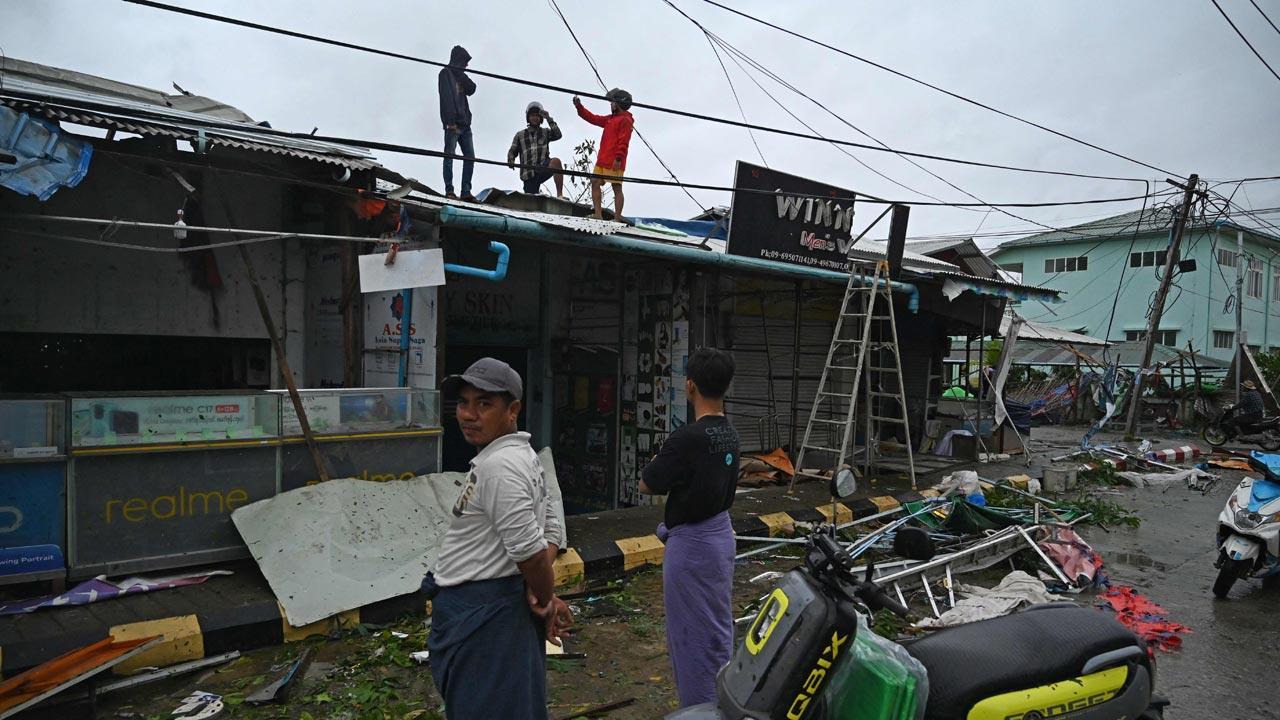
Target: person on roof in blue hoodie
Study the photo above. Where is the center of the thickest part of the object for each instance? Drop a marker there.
(455, 115)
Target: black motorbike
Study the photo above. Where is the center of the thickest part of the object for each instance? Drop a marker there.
(1264, 433)
(1051, 661)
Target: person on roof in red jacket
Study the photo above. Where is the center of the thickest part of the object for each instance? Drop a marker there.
(614, 141)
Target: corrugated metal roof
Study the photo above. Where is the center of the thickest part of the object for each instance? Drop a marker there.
(99, 102)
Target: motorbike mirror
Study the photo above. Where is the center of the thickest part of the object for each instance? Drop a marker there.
(843, 483)
(914, 544)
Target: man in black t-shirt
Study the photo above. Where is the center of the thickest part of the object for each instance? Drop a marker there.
(697, 469)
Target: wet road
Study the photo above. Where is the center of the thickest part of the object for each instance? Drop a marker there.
(1229, 666)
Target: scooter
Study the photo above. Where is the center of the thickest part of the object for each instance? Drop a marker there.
(1249, 527)
(1051, 661)
(1264, 433)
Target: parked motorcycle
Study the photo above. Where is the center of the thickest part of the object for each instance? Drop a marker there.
(1265, 433)
(1249, 526)
(798, 659)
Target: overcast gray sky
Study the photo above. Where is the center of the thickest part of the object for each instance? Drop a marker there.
(1165, 82)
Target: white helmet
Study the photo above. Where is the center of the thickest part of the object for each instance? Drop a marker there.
(535, 105)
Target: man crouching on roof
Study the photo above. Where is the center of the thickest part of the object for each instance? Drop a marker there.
(492, 589)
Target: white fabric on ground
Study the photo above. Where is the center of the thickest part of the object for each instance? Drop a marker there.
(1015, 590)
(1189, 476)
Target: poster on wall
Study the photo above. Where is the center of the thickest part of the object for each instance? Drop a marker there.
(383, 312)
(133, 420)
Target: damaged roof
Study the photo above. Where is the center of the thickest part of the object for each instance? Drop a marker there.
(866, 250)
(70, 96)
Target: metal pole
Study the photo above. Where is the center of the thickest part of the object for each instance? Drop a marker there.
(1240, 338)
(795, 377)
(1157, 310)
(406, 330)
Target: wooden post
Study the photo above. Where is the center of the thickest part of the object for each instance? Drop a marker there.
(284, 364)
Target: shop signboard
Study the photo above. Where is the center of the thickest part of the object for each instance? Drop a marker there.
(781, 217)
(384, 312)
(32, 511)
(145, 510)
(373, 459)
(151, 419)
(323, 409)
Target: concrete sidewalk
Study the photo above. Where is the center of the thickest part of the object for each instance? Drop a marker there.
(239, 611)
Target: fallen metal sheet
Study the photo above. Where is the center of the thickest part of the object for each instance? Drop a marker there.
(278, 689)
(346, 543)
(52, 677)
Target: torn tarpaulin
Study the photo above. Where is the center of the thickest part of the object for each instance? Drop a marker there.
(44, 158)
(1015, 590)
(1077, 559)
(1191, 477)
(100, 588)
(1144, 617)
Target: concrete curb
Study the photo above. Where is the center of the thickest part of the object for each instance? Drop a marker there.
(608, 560)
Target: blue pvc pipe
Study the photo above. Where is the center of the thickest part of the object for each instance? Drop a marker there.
(503, 225)
(497, 274)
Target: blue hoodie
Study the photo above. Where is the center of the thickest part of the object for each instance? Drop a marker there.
(455, 86)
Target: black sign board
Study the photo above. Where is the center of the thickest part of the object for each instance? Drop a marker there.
(794, 220)
(163, 509)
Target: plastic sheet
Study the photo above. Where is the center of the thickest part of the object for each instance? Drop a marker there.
(1144, 618)
(879, 680)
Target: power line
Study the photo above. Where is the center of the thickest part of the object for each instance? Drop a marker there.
(657, 108)
(931, 86)
(1132, 241)
(734, 55)
(736, 99)
(187, 123)
(778, 79)
(603, 86)
(1245, 39)
(1264, 16)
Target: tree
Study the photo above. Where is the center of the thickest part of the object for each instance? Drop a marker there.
(584, 154)
(1269, 365)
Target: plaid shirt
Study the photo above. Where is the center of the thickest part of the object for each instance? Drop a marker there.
(533, 145)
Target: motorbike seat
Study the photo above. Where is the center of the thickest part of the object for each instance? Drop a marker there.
(1045, 644)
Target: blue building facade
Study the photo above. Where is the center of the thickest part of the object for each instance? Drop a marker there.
(1108, 271)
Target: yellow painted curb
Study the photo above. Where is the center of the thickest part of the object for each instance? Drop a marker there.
(779, 523)
(182, 642)
(843, 513)
(643, 550)
(884, 503)
(569, 568)
(341, 621)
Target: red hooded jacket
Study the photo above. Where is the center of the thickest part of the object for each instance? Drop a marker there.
(616, 137)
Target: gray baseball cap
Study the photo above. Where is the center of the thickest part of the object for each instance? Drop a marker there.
(486, 374)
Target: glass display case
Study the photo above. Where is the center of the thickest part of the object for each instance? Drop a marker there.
(353, 411)
(32, 427)
(152, 418)
(33, 468)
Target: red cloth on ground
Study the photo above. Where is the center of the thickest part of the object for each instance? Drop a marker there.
(616, 138)
(1144, 618)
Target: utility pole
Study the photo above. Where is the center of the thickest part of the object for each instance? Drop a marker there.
(1157, 310)
(1241, 340)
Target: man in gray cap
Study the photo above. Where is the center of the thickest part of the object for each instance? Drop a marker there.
(492, 590)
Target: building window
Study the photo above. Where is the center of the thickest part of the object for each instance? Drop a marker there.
(1061, 265)
(1227, 258)
(1275, 285)
(1163, 337)
(1150, 258)
(1223, 339)
(1253, 278)
(1013, 267)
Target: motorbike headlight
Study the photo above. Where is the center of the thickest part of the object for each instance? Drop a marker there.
(1250, 520)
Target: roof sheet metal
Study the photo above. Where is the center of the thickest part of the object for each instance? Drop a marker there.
(113, 111)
